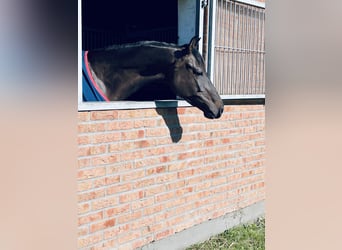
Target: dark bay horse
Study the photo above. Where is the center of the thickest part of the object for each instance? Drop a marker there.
(120, 71)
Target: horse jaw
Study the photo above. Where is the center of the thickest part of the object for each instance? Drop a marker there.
(212, 109)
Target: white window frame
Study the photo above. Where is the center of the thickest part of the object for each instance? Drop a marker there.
(89, 106)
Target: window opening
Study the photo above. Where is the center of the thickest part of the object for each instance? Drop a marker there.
(107, 22)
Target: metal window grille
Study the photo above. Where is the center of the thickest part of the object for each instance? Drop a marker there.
(239, 47)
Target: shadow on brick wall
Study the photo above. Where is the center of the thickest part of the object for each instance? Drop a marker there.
(171, 120)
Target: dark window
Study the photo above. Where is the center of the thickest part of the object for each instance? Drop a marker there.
(107, 22)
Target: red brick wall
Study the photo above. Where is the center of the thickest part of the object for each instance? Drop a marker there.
(146, 174)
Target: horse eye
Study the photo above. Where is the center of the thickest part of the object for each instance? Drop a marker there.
(195, 70)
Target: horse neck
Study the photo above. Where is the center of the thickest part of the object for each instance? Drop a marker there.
(125, 70)
(153, 57)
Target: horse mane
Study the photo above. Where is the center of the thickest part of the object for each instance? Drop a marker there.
(143, 43)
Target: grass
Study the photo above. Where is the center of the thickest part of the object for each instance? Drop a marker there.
(244, 237)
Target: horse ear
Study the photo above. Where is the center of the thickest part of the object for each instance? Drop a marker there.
(187, 48)
(193, 43)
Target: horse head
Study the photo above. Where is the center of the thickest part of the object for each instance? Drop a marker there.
(191, 82)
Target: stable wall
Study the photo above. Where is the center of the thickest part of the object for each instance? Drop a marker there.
(146, 174)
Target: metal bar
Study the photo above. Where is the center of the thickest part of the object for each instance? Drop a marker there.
(253, 54)
(249, 48)
(250, 54)
(225, 41)
(247, 53)
(264, 62)
(225, 68)
(252, 48)
(258, 55)
(262, 56)
(229, 41)
(211, 38)
(219, 41)
(216, 70)
(242, 55)
(234, 54)
(239, 44)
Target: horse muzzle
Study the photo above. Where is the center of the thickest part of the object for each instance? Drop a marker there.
(211, 110)
(211, 115)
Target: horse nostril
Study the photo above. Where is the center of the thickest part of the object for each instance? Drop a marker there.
(221, 109)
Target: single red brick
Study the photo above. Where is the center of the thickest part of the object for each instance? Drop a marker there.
(83, 208)
(113, 232)
(82, 231)
(154, 209)
(131, 196)
(119, 188)
(149, 112)
(166, 196)
(104, 115)
(83, 116)
(107, 137)
(124, 114)
(83, 162)
(91, 195)
(142, 143)
(90, 218)
(163, 234)
(82, 128)
(165, 178)
(83, 139)
(181, 110)
(91, 173)
(89, 240)
(117, 210)
(142, 203)
(104, 203)
(120, 167)
(137, 174)
(84, 151)
(144, 183)
(104, 159)
(132, 135)
(84, 185)
(185, 173)
(96, 127)
(156, 170)
(132, 216)
(132, 155)
(102, 225)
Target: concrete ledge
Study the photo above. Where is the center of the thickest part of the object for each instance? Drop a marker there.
(204, 231)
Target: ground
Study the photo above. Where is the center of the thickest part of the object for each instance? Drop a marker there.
(244, 237)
